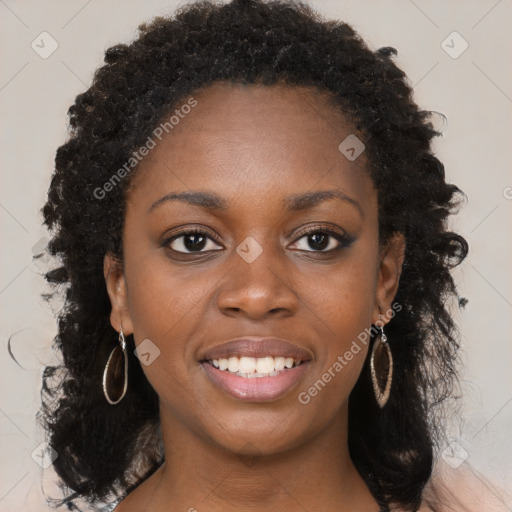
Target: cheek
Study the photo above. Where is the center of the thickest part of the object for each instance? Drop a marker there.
(166, 310)
(161, 296)
(165, 306)
(342, 302)
(343, 296)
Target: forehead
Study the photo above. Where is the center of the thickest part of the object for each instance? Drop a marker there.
(249, 140)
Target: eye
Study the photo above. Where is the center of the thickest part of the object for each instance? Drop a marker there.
(316, 239)
(323, 240)
(192, 240)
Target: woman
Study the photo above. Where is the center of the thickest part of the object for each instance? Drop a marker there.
(252, 229)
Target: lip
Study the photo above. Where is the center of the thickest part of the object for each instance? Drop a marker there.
(258, 389)
(253, 346)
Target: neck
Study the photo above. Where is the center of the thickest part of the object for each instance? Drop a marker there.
(317, 474)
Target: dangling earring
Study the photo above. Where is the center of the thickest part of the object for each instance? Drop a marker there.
(381, 366)
(115, 375)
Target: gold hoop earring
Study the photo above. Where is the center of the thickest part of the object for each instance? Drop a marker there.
(115, 374)
(381, 367)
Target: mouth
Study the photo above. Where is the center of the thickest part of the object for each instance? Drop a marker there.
(256, 369)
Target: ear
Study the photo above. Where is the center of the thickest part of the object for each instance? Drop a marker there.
(390, 268)
(117, 292)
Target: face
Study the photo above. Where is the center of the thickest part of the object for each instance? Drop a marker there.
(282, 243)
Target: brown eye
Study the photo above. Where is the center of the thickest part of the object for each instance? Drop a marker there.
(322, 240)
(191, 241)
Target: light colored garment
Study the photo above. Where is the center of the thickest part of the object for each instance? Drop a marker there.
(111, 506)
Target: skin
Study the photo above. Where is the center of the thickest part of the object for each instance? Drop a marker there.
(253, 146)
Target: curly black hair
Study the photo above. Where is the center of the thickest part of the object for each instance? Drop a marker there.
(104, 449)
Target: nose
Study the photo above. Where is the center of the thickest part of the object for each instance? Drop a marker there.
(258, 289)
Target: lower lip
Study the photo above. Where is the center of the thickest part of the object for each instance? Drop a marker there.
(257, 389)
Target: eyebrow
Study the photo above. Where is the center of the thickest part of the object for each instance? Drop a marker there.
(293, 203)
(299, 202)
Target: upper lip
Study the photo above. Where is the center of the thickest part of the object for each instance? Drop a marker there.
(253, 346)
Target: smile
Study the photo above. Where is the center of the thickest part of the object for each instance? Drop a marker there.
(250, 367)
(256, 369)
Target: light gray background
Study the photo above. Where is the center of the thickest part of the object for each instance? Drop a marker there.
(473, 90)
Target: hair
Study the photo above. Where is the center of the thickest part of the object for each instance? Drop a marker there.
(104, 449)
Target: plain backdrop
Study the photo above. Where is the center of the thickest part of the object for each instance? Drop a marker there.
(457, 56)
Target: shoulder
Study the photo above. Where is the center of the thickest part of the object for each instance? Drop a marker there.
(461, 489)
(117, 506)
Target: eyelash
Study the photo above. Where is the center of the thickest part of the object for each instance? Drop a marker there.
(343, 239)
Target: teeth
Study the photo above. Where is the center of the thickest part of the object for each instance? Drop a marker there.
(247, 365)
(257, 374)
(264, 365)
(250, 367)
(279, 363)
(233, 364)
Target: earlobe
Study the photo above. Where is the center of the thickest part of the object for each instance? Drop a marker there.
(117, 292)
(391, 262)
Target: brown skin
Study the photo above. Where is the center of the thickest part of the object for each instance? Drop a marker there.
(252, 145)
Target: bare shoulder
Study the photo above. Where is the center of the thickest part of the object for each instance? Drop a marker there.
(138, 498)
(461, 489)
(134, 501)
(122, 506)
